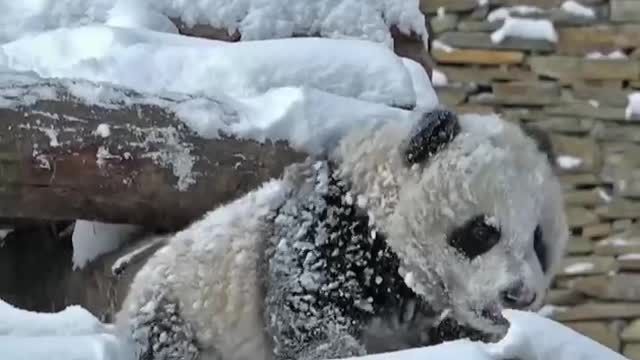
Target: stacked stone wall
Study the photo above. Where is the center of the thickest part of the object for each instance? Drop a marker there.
(576, 85)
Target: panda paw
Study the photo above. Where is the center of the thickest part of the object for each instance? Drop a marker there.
(344, 346)
(449, 329)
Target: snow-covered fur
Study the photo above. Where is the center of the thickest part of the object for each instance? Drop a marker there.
(369, 250)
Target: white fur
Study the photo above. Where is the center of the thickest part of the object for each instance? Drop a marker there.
(211, 267)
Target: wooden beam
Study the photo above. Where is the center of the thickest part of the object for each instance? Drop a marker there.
(56, 161)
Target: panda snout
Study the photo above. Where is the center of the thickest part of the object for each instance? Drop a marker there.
(517, 296)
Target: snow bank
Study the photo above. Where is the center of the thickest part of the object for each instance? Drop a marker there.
(158, 62)
(91, 239)
(74, 320)
(75, 334)
(255, 19)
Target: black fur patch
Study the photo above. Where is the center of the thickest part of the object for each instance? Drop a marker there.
(164, 335)
(540, 248)
(449, 330)
(542, 140)
(435, 130)
(330, 270)
(475, 237)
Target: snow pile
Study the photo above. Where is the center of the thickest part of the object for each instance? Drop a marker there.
(633, 106)
(437, 44)
(579, 268)
(75, 334)
(426, 97)
(630, 256)
(158, 62)
(438, 78)
(71, 334)
(254, 19)
(135, 14)
(617, 54)
(568, 162)
(503, 13)
(4, 233)
(256, 89)
(577, 9)
(534, 337)
(91, 239)
(535, 29)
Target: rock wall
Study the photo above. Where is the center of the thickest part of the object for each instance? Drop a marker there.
(577, 88)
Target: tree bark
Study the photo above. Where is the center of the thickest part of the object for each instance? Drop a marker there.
(56, 162)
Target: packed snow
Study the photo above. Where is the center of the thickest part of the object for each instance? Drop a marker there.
(535, 29)
(91, 239)
(76, 334)
(254, 19)
(577, 9)
(632, 110)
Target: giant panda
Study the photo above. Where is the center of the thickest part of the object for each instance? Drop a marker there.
(405, 234)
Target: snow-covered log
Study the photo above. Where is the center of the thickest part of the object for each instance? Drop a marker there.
(132, 161)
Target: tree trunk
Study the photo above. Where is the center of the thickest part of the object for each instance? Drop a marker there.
(137, 164)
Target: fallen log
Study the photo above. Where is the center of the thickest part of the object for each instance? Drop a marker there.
(68, 157)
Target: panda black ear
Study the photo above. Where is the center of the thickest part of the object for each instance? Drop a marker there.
(434, 131)
(542, 140)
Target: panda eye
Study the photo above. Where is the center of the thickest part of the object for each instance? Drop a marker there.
(475, 237)
(540, 248)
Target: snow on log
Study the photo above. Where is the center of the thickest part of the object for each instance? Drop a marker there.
(62, 157)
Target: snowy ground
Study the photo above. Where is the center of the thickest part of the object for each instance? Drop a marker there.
(75, 334)
(306, 90)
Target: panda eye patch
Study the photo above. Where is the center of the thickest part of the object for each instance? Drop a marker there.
(475, 237)
(540, 248)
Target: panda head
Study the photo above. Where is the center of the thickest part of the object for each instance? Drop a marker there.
(470, 205)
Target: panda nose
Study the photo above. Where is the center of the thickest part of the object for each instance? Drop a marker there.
(516, 296)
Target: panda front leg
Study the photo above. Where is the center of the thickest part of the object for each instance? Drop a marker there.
(156, 328)
(304, 325)
(302, 336)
